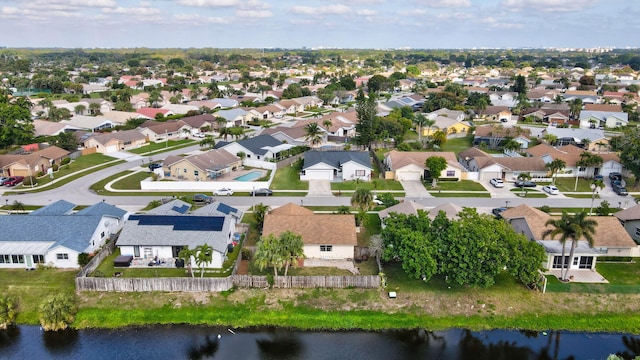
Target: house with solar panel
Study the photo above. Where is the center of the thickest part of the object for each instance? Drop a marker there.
(158, 236)
(56, 234)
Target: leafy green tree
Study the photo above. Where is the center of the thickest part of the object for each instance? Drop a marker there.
(259, 211)
(629, 144)
(8, 311)
(435, 164)
(366, 110)
(66, 140)
(525, 258)
(511, 145)
(186, 254)
(387, 199)
(204, 255)
(378, 83)
(269, 253)
(208, 142)
(604, 209)
(313, 134)
(554, 166)
(574, 228)
(343, 210)
(57, 312)
(525, 176)
(16, 126)
(519, 85)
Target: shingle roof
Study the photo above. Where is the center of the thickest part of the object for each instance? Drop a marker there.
(632, 213)
(60, 207)
(125, 135)
(336, 158)
(198, 121)
(400, 159)
(450, 209)
(103, 209)
(407, 207)
(258, 143)
(315, 229)
(216, 159)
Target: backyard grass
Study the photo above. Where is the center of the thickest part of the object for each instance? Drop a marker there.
(376, 184)
(254, 235)
(158, 146)
(288, 178)
(371, 227)
(30, 288)
(458, 144)
(622, 276)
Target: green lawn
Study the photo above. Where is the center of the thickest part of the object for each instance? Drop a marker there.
(529, 193)
(438, 194)
(374, 185)
(288, 178)
(458, 144)
(371, 227)
(568, 184)
(254, 235)
(153, 147)
(622, 276)
(131, 182)
(30, 288)
(462, 185)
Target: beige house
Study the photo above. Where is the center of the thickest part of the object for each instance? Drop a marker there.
(202, 167)
(325, 236)
(410, 165)
(162, 131)
(115, 141)
(31, 164)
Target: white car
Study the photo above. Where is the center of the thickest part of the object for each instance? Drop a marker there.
(223, 191)
(200, 135)
(550, 189)
(497, 182)
(377, 201)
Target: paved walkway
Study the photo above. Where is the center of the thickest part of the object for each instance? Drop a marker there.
(581, 276)
(319, 188)
(126, 156)
(340, 264)
(414, 189)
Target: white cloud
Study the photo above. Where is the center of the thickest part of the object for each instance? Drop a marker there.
(209, 3)
(321, 10)
(366, 12)
(500, 24)
(254, 5)
(548, 5)
(445, 3)
(140, 11)
(254, 13)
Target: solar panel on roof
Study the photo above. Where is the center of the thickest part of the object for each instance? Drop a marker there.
(184, 223)
(226, 209)
(181, 209)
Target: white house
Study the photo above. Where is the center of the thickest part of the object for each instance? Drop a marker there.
(54, 235)
(411, 165)
(261, 147)
(336, 165)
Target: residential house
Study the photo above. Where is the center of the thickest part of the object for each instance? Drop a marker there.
(496, 113)
(180, 108)
(325, 236)
(597, 140)
(261, 147)
(406, 207)
(198, 122)
(342, 127)
(269, 112)
(51, 128)
(570, 154)
(450, 210)
(39, 161)
(201, 167)
(448, 125)
(295, 135)
(235, 117)
(610, 239)
(587, 96)
(162, 131)
(54, 235)
(502, 167)
(89, 123)
(336, 165)
(410, 165)
(593, 119)
(630, 220)
(161, 233)
(152, 113)
(110, 142)
(495, 135)
(120, 117)
(503, 99)
(444, 112)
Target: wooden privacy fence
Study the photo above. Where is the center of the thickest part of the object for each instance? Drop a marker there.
(97, 260)
(222, 284)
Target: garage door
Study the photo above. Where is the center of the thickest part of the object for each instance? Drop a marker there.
(408, 175)
(319, 174)
(112, 148)
(488, 175)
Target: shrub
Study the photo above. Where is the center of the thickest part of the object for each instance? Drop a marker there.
(65, 161)
(404, 147)
(57, 312)
(84, 258)
(54, 167)
(246, 254)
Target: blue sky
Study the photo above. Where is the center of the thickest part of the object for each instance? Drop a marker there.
(320, 23)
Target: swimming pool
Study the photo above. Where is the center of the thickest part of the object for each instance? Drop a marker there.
(249, 176)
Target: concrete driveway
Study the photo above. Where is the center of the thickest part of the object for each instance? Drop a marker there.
(319, 188)
(414, 189)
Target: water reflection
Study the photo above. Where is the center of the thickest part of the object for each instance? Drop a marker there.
(204, 349)
(9, 336)
(633, 347)
(60, 342)
(280, 344)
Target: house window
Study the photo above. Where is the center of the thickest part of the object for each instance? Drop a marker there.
(326, 248)
(102, 235)
(127, 143)
(195, 172)
(582, 169)
(586, 262)
(17, 259)
(360, 173)
(637, 231)
(184, 171)
(451, 173)
(575, 261)
(62, 256)
(557, 261)
(5, 259)
(38, 259)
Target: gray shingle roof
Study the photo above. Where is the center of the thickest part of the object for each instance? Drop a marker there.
(103, 209)
(60, 207)
(336, 158)
(258, 144)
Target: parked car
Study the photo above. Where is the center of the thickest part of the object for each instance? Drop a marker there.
(13, 181)
(2, 179)
(377, 201)
(598, 177)
(498, 211)
(527, 183)
(496, 182)
(551, 190)
(262, 192)
(154, 166)
(615, 176)
(620, 190)
(200, 135)
(223, 191)
(202, 198)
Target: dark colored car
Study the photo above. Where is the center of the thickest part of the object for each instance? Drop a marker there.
(262, 192)
(615, 176)
(154, 166)
(498, 211)
(527, 183)
(13, 181)
(202, 198)
(620, 190)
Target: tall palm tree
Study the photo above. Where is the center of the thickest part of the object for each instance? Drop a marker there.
(525, 176)
(575, 107)
(555, 166)
(259, 211)
(314, 134)
(511, 145)
(421, 121)
(204, 255)
(362, 199)
(292, 249)
(574, 228)
(269, 252)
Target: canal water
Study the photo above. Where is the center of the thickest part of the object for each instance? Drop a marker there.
(199, 342)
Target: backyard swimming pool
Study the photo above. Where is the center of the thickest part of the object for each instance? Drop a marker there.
(249, 176)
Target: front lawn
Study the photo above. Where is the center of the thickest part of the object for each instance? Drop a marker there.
(376, 184)
(131, 182)
(462, 185)
(565, 184)
(157, 146)
(288, 178)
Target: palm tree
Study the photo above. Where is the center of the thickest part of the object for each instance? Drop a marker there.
(525, 176)
(429, 124)
(94, 109)
(204, 255)
(550, 138)
(17, 206)
(574, 228)
(555, 166)
(596, 186)
(220, 122)
(314, 134)
(292, 249)
(511, 145)
(376, 248)
(79, 109)
(57, 312)
(362, 199)
(269, 252)
(259, 211)
(8, 311)
(575, 106)
(585, 142)
(186, 254)
(421, 121)
(208, 142)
